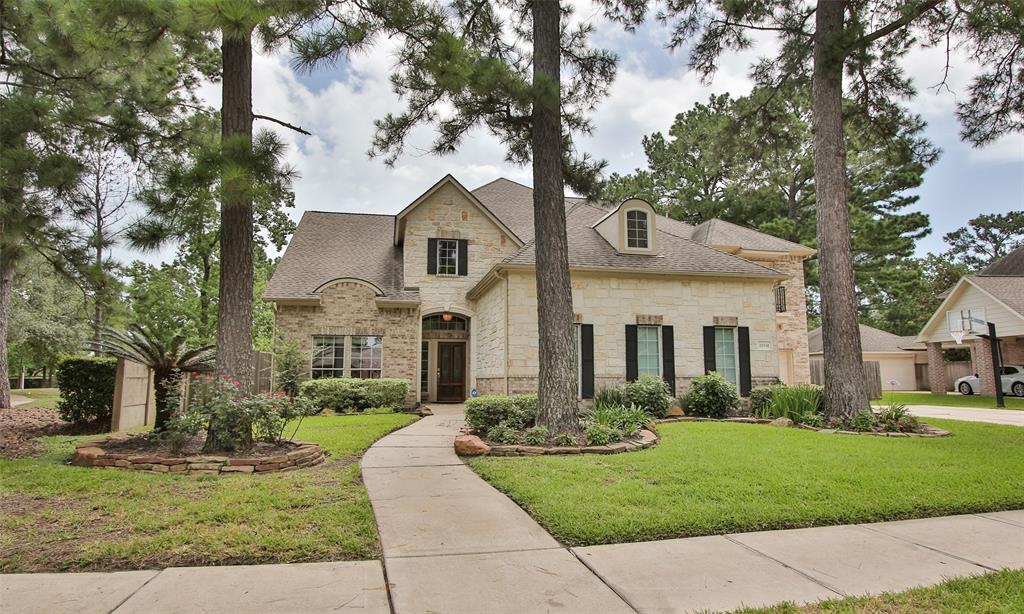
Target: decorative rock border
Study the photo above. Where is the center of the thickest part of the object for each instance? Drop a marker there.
(928, 430)
(91, 454)
(467, 444)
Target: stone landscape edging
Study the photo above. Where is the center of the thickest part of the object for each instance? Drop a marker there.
(480, 447)
(90, 454)
(930, 431)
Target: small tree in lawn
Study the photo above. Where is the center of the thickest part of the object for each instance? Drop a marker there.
(166, 357)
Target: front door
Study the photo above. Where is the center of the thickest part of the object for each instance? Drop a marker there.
(451, 372)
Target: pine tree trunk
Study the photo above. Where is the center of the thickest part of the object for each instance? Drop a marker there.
(557, 408)
(6, 290)
(234, 309)
(845, 392)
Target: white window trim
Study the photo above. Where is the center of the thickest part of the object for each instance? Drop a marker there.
(438, 256)
(736, 349)
(647, 219)
(661, 357)
(346, 345)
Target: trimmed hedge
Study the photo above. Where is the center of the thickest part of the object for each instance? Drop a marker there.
(355, 394)
(712, 396)
(649, 392)
(518, 411)
(86, 388)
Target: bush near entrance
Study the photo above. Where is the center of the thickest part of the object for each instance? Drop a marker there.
(345, 394)
(86, 389)
(517, 411)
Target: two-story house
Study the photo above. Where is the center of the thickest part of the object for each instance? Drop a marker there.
(443, 294)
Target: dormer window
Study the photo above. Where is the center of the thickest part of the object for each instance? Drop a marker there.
(637, 229)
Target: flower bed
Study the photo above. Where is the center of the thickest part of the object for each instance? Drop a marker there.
(926, 430)
(468, 444)
(287, 456)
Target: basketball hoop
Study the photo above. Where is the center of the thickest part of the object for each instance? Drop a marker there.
(958, 336)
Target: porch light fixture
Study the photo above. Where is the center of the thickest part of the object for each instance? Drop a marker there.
(446, 316)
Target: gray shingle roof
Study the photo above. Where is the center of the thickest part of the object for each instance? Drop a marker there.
(720, 232)
(871, 340)
(588, 249)
(1011, 264)
(1009, 290)
(328, 246)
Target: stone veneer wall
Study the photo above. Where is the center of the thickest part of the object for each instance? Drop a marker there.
(489, 331)
(791, 326)
(611, 302)
(348, 308)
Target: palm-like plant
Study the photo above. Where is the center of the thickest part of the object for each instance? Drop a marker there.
(166, 357)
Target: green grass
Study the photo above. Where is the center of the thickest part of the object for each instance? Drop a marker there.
(952, 399)
(41, 397)
(707, 478)
(54, 517)
(995, 593)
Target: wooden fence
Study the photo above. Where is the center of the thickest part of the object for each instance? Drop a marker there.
(872, 376)
(954, 371)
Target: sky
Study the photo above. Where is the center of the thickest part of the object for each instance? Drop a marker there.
(339, 103)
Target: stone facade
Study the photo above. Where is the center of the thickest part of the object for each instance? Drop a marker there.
(349, 308)
(610, 302)
(791, 325)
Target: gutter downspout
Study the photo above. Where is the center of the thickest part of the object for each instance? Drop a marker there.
(506, 334)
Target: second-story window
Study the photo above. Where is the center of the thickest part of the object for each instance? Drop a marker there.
(637, 235)
(447, 257)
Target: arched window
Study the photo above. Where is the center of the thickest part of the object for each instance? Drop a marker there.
(637, 229)
(437, 322)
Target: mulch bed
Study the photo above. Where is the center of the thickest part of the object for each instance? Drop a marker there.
(139, 444)
(20, 426)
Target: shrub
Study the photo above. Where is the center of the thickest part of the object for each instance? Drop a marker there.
(566, 440)
(609, 396)
(355, 394)
(86, 389)
(649, 392)
(864, 421)
(712, 395)
(761, 401)
(815, 420)
(536, 435)
(502, 433)
(795, 401)
(290, 366)
(628, 420)
(601, 434)
(517, 411)
(896, 418)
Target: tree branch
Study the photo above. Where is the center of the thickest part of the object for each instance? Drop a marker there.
(886, 30)
(285, 124)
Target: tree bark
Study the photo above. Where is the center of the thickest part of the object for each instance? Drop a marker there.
(234, 308)
(557, 408)
(6, 290)
(845, 392)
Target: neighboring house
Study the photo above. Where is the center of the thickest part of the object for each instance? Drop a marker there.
(897, 357)
(995, 294)
(443, 294)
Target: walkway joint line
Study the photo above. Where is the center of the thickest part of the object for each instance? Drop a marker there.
(141, 586)
(820, 583)
(605, 582)
(927, 547)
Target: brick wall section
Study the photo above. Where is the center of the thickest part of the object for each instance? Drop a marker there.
(791, 325)
(1013, 351)
(936, 369)
(982, 357)
(348, 308)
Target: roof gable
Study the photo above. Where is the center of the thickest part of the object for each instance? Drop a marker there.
(450, 180)
(1004, 293)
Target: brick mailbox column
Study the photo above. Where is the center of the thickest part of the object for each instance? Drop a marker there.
(982, 357)
(936, 368)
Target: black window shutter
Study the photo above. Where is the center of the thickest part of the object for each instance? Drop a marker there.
(744, 336)
(431, 256)
(709, 349)
(463, 257)
(668, 358)
(631, 366)
(587, 360)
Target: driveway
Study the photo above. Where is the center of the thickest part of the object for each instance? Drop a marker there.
(1012, 417)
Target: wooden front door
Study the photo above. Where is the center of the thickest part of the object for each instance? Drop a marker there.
(451, 372)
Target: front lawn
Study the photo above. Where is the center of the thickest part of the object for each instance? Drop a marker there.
(995, 593)
(951, 399)
(54, 517)
(707, 478)
(41, 397)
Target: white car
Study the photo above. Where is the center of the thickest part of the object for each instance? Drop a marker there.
(1012, 377)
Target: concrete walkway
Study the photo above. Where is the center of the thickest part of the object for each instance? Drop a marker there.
(17, 399)
(452, 543)
(1012, 417)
